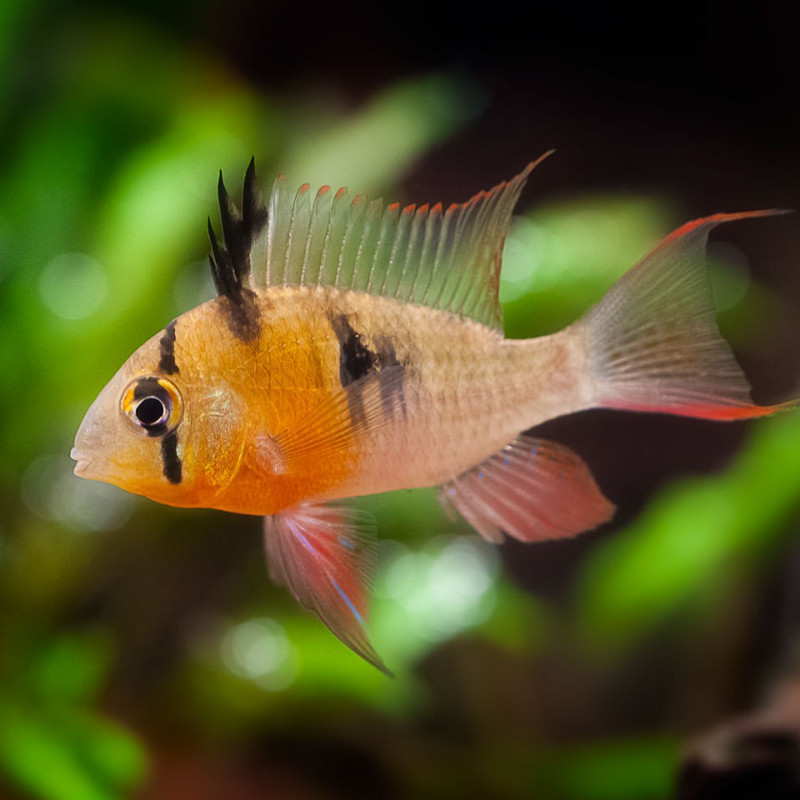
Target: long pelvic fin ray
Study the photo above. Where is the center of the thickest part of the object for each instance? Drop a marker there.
(327, 556)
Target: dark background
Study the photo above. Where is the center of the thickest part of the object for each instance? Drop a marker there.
(111, 682)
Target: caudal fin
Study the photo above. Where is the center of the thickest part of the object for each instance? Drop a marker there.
(653, 342)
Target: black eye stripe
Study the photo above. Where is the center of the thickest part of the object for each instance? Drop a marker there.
(154, 408)
(150, 387)
(167, 363)
(171, 464)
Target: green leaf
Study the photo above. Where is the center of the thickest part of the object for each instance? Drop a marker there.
(39, 759)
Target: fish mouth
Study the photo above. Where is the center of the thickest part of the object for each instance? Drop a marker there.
(83, 464)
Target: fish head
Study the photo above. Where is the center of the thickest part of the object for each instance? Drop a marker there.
(175, 435)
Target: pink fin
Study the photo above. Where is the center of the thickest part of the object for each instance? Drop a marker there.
(653, 341)
(532, 490)
(326, 555)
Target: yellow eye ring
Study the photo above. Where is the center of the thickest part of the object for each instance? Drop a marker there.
(153, 406)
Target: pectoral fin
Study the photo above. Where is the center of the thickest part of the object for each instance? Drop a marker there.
(327, 555)
(532, 490)
(327, 436)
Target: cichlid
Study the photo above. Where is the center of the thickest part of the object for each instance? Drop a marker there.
(356, 347)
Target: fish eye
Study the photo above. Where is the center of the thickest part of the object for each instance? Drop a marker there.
(153, 406)
(151, 411)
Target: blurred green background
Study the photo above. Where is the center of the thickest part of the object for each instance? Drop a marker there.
(143, 651)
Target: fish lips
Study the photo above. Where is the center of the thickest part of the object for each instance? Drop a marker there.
(94, 441)
(83, 466)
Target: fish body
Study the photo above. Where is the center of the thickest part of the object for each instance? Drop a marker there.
(357, 348)
(461, 394)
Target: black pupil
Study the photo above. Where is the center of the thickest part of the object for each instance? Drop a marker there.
(150, 411)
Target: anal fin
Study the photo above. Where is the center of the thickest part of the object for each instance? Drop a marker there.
(327, 555)
(532, 490)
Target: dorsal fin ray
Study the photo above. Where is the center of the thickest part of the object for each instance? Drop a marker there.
(231, 262)
(447, 259)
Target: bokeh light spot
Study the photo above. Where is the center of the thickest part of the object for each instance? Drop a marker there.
(259, 649)
(51, 490)
(447, 587)
(73, 285)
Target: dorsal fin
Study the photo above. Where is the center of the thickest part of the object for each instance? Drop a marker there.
(231, 262)
(447, 259)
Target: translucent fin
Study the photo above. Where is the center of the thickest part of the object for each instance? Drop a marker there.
(653, 341)
(327, 556)
(532, 490)
(447, 259)
(328, 435)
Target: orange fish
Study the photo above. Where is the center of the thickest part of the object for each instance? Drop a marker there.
(356, 347)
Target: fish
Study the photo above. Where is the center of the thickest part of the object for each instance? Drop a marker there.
(356, 347)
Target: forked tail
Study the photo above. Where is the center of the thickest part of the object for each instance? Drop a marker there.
(653, 342)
